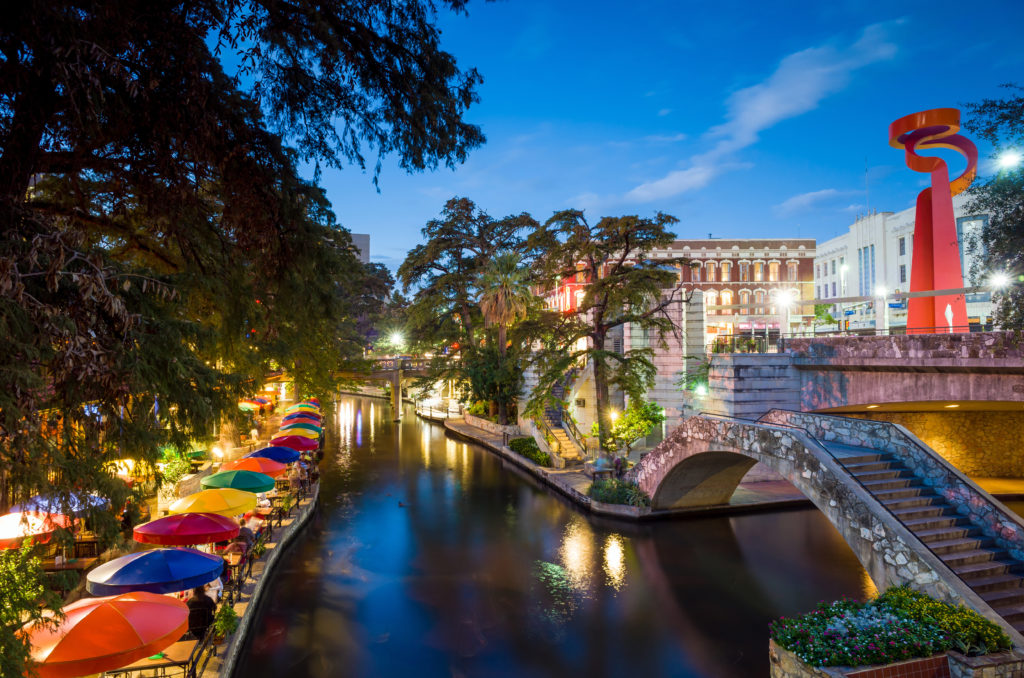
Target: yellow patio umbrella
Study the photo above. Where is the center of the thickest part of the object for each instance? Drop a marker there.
(303, 407)
(299, 432)
(223, 501)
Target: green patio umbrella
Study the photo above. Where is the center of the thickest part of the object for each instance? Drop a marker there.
(308, 427)
(249, 481)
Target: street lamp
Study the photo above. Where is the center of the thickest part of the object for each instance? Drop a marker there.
(784, 300)
(999, 280)
(397, 339)
(882, 293)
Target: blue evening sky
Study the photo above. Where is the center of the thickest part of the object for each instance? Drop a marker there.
(742, 119)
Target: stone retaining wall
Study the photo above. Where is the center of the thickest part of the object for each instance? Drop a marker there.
(490, 426)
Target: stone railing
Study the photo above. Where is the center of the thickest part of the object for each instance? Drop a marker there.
(490, 426)
(997, 348)
(994, 519)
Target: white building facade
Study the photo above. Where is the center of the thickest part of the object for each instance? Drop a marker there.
(875, 256)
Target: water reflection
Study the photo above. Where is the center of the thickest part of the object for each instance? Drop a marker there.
(431, 557)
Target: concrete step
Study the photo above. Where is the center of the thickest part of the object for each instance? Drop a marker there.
(892, 484)
(944, 533)
(913, 512)
(863, 459)
(1011, 613)
(869, 466)
(903, 492)
(997, 582)
(935, 522)
(981, 555)
(1003, 598)
(974, 571)
(960, 545)
(907, 502)
(869, 476)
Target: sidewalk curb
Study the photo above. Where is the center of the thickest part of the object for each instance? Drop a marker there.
(240, 639)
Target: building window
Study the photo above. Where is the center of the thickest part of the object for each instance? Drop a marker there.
(817, 270)
(745, 271)
(817, 292)
(759, 300)
(744, 301)
(726, 301)
(872, 289)
(758, 271)
(725, 269)
(903, 271)
(903, 246)
(695, 273)
(773, 271)
(833, 267)
(833, 288)
(711, 298)
(710, 266)
(792, 271)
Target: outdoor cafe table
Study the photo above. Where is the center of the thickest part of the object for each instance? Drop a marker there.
(175, 656)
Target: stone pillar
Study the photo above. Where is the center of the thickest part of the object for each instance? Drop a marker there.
(396, 394)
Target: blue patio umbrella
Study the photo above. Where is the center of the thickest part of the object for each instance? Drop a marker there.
(284, 455)
(79, 502)
(155, 571)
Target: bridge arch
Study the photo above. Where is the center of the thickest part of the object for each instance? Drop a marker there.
(703, 460)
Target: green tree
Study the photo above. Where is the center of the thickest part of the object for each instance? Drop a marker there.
(505, 298)
(27, 599)
(636, 422)
(448, 271)
(823, 315)
(623, 285)
(1000, 247)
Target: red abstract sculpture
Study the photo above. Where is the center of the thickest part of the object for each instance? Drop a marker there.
(936, 255)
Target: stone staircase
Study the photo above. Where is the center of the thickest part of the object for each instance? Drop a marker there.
(568, 449)
(990, 571)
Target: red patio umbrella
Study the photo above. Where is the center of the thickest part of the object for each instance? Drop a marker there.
(16, 527)
(185, 529)
(296, 443)
(257, 464)
(102, 634)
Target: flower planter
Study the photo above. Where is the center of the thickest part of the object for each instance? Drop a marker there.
(786, 664)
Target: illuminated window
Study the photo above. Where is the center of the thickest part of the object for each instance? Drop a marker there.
(726, 301)
(745, 271)
(744, 300)
(710, 271)
(695, 273)
(773, 271)
(758, 271)
(725, 269)
(710, 299)
(759, 300)
(792, 271)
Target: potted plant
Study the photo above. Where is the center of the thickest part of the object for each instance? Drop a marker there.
(224, 622)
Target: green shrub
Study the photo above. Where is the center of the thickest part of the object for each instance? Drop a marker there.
(527, 447)
(971, 633)
(478, 409)
(615, 491)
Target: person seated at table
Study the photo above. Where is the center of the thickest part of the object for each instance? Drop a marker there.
(200, 613)
(214, 589)
(238, 546)
(245, 534)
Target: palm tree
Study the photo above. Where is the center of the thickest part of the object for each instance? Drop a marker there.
(505, 297)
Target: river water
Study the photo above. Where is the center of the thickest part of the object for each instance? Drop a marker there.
(431, 557)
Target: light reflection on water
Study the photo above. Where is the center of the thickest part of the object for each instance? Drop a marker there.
(430, 557)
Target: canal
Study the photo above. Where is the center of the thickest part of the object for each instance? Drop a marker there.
(430, 557)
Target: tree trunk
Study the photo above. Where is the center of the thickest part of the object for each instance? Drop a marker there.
(502, 413)
(601, 389)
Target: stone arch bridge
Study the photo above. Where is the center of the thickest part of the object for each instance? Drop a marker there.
(394, 371)
(907, 514)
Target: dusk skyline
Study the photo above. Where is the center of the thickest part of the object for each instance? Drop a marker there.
(742, 121)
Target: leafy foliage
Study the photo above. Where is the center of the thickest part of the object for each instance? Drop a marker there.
(636, 422)
(618, 491)
(967, 628)
(26, 599)
(1000, 248)
(527, 447)
(623, 286)
(225, 621)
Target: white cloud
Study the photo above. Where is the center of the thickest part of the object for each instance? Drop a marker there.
(798, 85)
(665, 138)
(663, 112)
(805, 201)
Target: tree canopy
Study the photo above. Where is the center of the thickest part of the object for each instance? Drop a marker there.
(1001, 244)
(160, 250)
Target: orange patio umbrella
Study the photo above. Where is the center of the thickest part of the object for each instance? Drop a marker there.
(257, 464)
(102, 634)
(39, 527)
